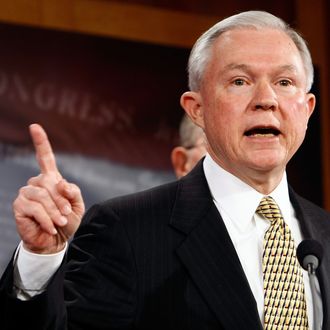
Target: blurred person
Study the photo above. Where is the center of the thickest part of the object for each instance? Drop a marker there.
(213, 250)
(191, 148)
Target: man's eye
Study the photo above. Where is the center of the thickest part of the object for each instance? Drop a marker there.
(239, 82)
(285, 82)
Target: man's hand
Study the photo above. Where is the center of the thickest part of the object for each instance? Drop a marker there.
(48, 210)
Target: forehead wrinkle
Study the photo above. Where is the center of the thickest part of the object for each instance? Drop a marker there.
(235, 66)
(249, 68)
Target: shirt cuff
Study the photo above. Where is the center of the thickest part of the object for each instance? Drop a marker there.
(33, 271)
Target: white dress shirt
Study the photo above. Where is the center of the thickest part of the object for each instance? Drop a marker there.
(237, 203)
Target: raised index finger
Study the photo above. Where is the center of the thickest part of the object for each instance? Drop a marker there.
(44, 152)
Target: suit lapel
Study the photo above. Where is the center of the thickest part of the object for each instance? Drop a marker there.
(315, 224)
(210, 257)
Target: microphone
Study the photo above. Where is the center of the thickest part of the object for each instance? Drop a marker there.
(309, 254)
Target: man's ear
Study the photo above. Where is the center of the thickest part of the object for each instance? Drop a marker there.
(310, 103)
(179, 160)
(191, 102)
(310, 106)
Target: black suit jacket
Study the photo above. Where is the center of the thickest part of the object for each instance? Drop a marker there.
(159, 259)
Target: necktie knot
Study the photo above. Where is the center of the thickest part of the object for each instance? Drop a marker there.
(269, 209)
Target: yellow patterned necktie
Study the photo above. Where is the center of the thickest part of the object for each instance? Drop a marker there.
(285, 304)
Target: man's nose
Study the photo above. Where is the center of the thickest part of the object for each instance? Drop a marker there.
(264, 97)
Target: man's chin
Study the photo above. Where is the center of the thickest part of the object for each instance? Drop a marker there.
(267, 164)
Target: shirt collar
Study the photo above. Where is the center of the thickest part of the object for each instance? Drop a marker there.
(238, 199)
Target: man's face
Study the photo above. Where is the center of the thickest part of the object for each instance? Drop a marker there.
(197, 152)
(252, 103)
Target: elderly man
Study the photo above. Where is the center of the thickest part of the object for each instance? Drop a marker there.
(213, 250)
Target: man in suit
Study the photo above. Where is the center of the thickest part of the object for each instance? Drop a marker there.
(189, 254)
(191, 148)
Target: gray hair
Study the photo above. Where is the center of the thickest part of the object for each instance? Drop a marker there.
(189, 132)
(200, 53)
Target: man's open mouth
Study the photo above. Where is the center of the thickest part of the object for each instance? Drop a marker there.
(262, 131)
